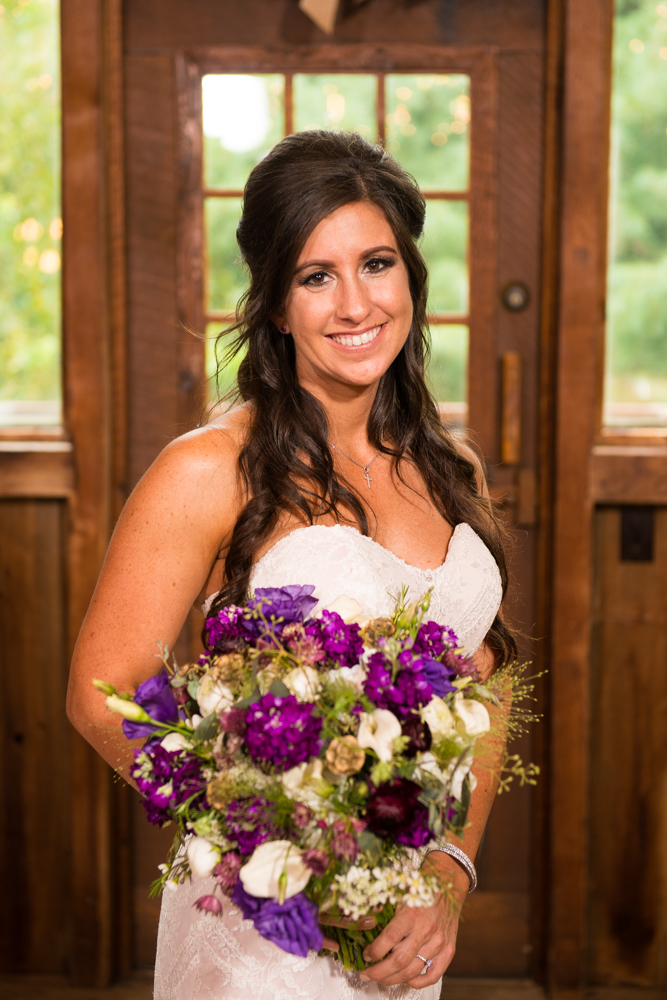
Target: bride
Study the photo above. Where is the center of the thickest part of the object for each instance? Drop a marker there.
(333, 470)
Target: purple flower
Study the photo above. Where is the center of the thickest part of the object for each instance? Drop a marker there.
(438, 676)
(279, 606)
(340, 642)
(224, 628)
(316, 860)
(301, 815)
(250, 822)
(432, 639)
(293, 926)
(417, 833)
(391, 808)
(345, 846)
(233, 721)
(171, 778)
(418, 734)
(282, 732)
(227, 872)
(209, 904)
(157, 698)
(403, 696)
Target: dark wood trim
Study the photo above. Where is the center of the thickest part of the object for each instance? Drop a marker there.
(626, 475)
(580, 333)
(44, 470)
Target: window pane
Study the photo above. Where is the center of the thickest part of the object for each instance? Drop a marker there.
(243, 118)
(30, 224)
(226, 278)
(636, 383)
(448, 367)
(427, 127)
(336, 100)
(445, 249)
(228, 374)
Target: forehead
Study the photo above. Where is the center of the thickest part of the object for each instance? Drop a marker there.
(349, 230)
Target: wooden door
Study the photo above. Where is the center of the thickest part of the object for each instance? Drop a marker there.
(499, 46)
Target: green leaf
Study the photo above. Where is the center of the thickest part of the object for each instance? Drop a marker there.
(208, 727)
(193, 689)
(250, 700)
(278, 689)
(370, 844)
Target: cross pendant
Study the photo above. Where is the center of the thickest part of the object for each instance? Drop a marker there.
(368, 478)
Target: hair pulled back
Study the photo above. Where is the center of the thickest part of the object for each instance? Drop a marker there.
(286, 463)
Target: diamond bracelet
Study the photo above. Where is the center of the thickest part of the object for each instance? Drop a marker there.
(463, 859)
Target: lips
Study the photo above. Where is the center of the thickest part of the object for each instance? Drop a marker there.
(356, 339)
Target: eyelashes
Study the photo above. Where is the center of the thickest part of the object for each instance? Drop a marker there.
(312, 278)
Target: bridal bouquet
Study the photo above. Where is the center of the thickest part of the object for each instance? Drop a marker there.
(304, 759)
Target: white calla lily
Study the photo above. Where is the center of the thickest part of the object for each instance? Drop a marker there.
(304, 683)
(378, 731)
(354, 676)
(473, 716)
(203, 856)
(275, 870)
(304, 783)
(349, 609)
(175, 741)
(456, 772)
(439, 718)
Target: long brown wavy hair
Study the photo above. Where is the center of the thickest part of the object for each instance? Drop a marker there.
(285, 463)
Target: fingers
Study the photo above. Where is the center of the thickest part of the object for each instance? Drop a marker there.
(365, 924)
(330, 944)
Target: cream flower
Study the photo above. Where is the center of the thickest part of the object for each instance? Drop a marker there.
(175, 741)
(440, 720)
(349, 610)
(304, 683)
(456, 771)
(354, 676)
(261, 875)
(213, 696)
(304, 783)
(378, 731)
(202, 857)
(473, 716)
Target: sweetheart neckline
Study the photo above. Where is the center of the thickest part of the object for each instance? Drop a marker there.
(367, 538)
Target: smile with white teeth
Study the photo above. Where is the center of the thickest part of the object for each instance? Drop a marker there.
(357, 339)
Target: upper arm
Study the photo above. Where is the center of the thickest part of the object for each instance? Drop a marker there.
(172, 528)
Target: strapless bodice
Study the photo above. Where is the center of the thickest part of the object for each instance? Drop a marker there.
(339, 560)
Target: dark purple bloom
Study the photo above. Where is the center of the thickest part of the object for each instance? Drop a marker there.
(391, 808)
(438, 676)
(282, 732)
(279, 606)
(432, 640)
(345, 846)
(316, 860)
(340, 642)
(293, 926)
(224, 628)
(167, 779)
(418, 734)
(157, 698)
(227, 871)
(418, 833)
(403, 696)
(250, 822)
(233, 721)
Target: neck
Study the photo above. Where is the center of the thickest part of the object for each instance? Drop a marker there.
(347, 410)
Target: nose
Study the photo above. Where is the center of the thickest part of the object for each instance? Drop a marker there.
(353, 305)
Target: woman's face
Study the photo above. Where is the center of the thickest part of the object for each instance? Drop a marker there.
(349, 307)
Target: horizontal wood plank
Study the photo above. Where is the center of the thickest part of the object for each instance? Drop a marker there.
(627, 475)
(36, 469)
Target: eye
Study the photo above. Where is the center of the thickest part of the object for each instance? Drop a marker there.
(377, 264)
(317, 278)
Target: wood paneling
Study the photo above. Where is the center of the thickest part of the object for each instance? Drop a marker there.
(629, 474)
(629, 761)
(34, 777)
(36, 469)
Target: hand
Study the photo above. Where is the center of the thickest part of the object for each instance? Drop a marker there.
(365, 924)
(413, 931)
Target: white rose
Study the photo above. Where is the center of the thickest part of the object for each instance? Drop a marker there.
(439, 718)
(427, 762)
(175, 741)
(304, 682)
(354, 676)
(304, 783)
(202, 857)
(473, 715)
(213, 696)
(261, 875)
(349, 610)
(194, 721)
(378, 731)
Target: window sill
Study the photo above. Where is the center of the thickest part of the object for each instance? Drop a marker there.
(36, 467)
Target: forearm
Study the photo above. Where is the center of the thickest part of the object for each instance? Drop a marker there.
(103, 730)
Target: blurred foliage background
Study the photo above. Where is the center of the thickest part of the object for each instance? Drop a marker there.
(30, 226)
(637, 277)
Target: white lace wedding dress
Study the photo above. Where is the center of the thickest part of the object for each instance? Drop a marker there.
(200, 957)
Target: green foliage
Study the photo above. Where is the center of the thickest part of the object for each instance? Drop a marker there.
(29, 201)
(637, 290)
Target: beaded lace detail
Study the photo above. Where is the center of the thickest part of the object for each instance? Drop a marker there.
(200, 957)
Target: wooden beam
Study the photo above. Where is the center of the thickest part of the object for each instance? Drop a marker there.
(36, 469)
(579, 352)
(626, 475)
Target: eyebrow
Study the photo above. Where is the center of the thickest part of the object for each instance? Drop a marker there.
(328, 263)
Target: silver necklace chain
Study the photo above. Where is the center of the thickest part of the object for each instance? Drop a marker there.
(360, 464)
